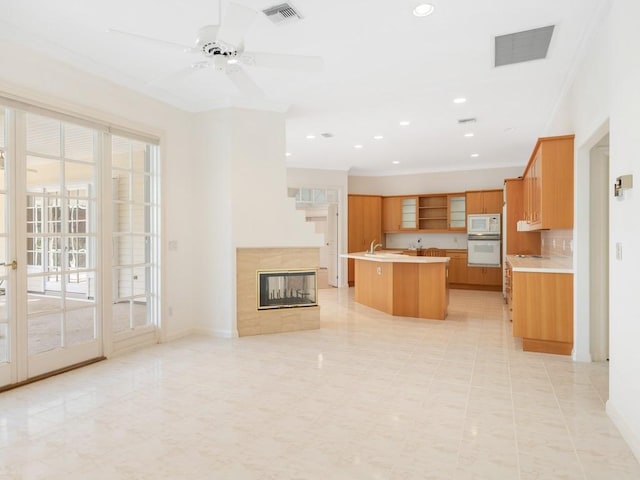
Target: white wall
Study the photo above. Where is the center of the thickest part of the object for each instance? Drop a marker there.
(585, 110)
(624, 394)
(263, 214)
(241, 202)
(605, 97)
(30, 75)
(436, 182)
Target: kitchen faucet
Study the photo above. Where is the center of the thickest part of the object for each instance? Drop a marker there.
(372, 247)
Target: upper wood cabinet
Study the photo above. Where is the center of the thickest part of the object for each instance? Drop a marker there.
(425, 213)
(548, 184)
(399, 214)
(484, 201)
(391, 214)
(433, 212)
(525, 243)
(409, 213)
(457, 211)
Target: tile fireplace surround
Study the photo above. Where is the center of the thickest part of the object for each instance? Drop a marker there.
(252, 321)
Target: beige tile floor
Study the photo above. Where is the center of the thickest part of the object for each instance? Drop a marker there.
(367, 396)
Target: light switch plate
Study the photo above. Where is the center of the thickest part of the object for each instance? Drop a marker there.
(618, 251)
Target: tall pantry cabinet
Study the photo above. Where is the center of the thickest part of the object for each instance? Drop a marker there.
(364, 225)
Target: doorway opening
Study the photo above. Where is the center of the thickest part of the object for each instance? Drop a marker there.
(599, 250)
(321, 206)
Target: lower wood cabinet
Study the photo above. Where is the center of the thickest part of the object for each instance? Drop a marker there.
(457, 268)
(463, 276)
(489, 276)
(542, 309)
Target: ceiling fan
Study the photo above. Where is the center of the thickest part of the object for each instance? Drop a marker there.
(222, 47)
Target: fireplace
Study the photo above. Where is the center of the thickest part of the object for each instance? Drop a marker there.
(287, 288)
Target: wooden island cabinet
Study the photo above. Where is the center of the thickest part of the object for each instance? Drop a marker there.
(402, 285)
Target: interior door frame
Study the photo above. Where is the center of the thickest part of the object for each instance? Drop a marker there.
(8, 370)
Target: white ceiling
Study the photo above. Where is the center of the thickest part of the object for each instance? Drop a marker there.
(381, 65)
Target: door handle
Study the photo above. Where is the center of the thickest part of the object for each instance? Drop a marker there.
(13, 265)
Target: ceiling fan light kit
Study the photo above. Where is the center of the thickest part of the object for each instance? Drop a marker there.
(423, 10)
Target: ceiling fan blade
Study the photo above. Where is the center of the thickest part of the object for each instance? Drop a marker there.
(235, 23)
(243, 82)
(179, 73)
(157, 41)
(298, 63)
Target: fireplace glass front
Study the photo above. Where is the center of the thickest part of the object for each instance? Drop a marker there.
(287, 289)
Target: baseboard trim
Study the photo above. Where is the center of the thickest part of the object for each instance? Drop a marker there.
(629, 436)
(178, 335)
(210, 332)
(51, 374)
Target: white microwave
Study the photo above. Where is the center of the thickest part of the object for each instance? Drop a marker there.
(483, 223)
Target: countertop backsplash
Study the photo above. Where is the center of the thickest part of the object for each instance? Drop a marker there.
(425, 240)
(557, 243)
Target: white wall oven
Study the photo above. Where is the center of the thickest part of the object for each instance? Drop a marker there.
(483, 240)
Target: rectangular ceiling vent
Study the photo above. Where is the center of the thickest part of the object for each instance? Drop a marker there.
(523, 46)
(285, 12)
(464, 121)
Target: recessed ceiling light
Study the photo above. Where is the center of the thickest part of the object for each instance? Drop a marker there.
(470, 134)
(288, 154)
(232, 61)
(405, 123)
(357, 146)
(311, 137)
(423, 10)
(475, 155)
(459, 100)
(378, 137)
(396, 162)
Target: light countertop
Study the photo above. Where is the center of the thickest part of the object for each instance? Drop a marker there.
(532, 263)
(394, 257)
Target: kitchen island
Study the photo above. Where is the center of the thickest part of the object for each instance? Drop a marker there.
(402, 285)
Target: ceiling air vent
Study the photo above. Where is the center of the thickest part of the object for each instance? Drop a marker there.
(326, 135)
(464, 121)
(523, 46)
(281, 13)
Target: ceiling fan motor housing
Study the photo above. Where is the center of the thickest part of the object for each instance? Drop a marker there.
(208, 44)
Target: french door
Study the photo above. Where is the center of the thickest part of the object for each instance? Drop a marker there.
(49, 286)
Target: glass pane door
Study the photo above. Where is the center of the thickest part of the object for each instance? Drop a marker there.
(61, 240)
